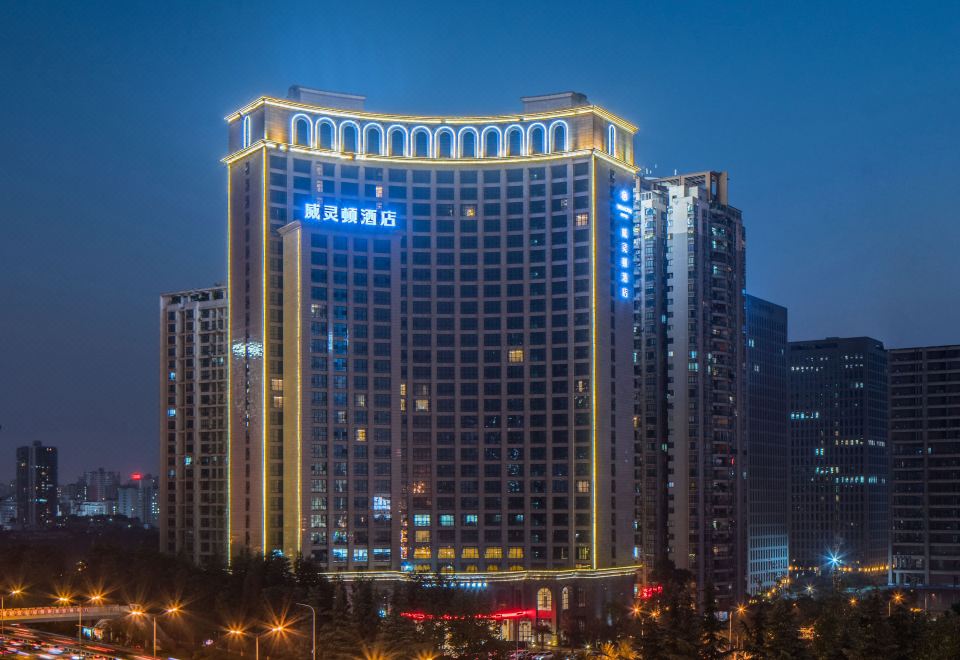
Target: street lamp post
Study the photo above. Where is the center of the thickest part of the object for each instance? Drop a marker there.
(897, 597)
(313, 630)
(173, 609)
(740, 610)
(3, 610)
(256, 638)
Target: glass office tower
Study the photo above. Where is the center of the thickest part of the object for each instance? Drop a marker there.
(925, 448)
(839, 454)
(768, 445)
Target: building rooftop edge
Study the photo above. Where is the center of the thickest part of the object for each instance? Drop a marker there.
(822, 339)
(436, 119)
(406, 160)
(179, 292)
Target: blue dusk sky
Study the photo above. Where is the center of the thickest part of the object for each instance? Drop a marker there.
(837, 121)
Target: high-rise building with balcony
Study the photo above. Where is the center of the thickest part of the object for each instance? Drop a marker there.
(925, 448)
(691, 380)
(431, 337)
(768, 445)
(840, 458)
(37, 501)
(193, 424)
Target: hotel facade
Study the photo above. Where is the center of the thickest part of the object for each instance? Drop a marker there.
(431, 338)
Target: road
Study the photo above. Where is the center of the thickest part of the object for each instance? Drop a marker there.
(20, 642)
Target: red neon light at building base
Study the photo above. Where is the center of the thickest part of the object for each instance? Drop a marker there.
(502, 615)
(646, 593)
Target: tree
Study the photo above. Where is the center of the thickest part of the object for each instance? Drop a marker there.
(711, 642)
(783, 638)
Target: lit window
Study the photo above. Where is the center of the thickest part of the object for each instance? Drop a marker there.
(544, 599)
(446, 520)
(470, 553)
(515, 355)
(422, 553)
(515, 553)
(278, 402)
(583, 486)
(421, 520)
(361, 435)
(493, 553)
(445, 552)
(276, 384)
(565, 598)
(360, 400)
(422, 536)
(581, 219)
(423, 405)
(403, 389)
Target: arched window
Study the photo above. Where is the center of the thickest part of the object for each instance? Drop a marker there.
(537, 139)
(514, 140)
(468, 142)
(565, 598)
(301, 130)
(421, 142)
(544, 600)
(349, 137)
(397, 139)
(558, 136)
(444, 138)
(612, 140)
(491, 142)
(245, 132)
(326, 134)
(373, 139)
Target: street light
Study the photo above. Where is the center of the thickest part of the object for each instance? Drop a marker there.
(740, 610)
(173, 609)
(313, 630)
(3, 612)
(897, 598)
(256, 638)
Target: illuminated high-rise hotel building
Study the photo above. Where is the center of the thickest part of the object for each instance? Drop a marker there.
(431, 335)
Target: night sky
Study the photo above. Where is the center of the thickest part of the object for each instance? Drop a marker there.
(838, 123)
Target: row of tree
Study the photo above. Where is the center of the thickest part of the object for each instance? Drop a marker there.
(266, 596)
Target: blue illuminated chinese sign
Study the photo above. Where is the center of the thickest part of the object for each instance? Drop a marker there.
(349, 215)
(623, 212)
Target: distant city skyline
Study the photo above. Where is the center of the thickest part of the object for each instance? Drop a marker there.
(834, 123)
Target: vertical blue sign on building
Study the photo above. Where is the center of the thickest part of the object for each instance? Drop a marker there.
(623, 213)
